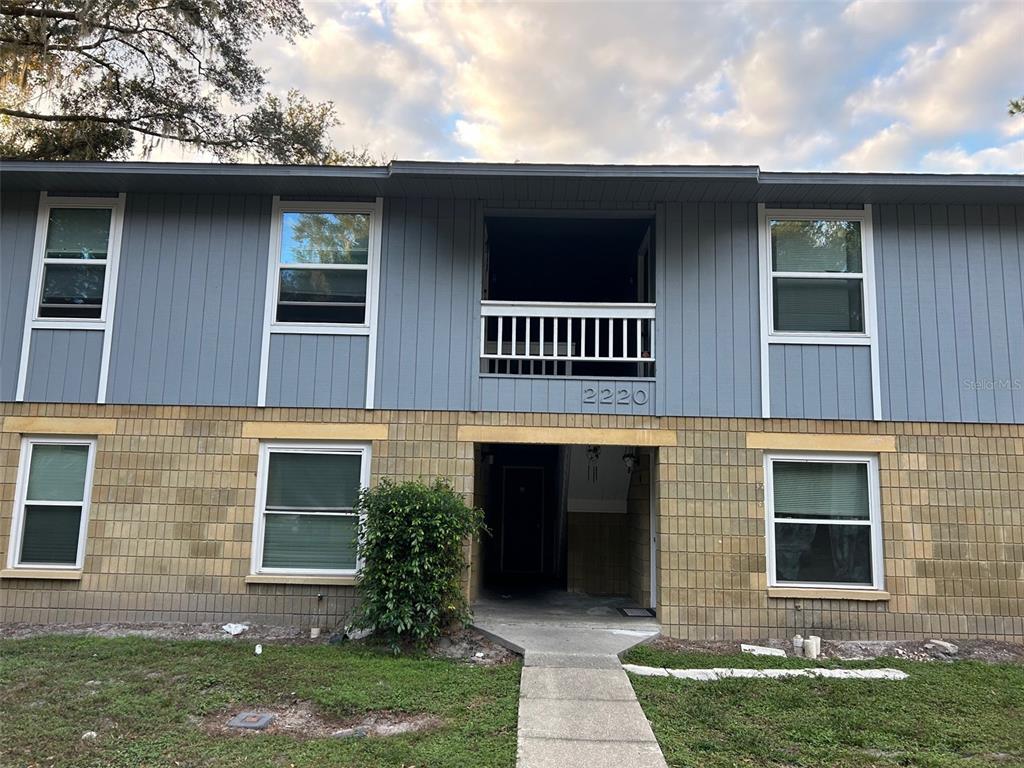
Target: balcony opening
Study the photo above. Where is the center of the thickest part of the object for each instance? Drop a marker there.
(568, 296)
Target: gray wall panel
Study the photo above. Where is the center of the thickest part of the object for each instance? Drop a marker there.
(317, 371)
(708, 362)
(189, 315)
(810, 381)
(429, 302)
(18, 212)
(64, 366)
(557, 394)
(951, 314)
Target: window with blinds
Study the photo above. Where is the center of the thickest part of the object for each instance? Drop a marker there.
(823, 522)
(817, 276)
(307, 519)
(52, 505)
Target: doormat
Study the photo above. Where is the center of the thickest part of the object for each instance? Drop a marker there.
(637, 613)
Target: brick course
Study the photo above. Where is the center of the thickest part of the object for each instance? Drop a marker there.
(171, 522)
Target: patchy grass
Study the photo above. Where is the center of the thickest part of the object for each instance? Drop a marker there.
(963, 714)
(148, 700)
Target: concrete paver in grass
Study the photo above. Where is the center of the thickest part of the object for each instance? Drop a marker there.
(725, 673)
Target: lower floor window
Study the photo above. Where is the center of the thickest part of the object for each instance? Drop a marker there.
(52, 503)
(824, 527)
(306, 521)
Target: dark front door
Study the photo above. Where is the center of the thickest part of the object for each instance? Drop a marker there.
(522, 520)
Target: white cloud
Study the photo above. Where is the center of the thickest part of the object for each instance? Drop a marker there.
(1005, 159)
(958, 82)
(882, 151)
(865, 86)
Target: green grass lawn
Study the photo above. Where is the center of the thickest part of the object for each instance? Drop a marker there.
(147, 699)
(965, 714)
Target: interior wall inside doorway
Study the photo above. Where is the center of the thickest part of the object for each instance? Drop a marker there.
(609, 550)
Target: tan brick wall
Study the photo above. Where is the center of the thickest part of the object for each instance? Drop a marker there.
(171, 522)
(170, 527)
(953, 535)
(639, 533)
(598, 553)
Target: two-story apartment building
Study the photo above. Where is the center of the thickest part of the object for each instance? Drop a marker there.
(757, 402)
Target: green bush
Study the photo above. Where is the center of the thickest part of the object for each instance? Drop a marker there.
(411, 546)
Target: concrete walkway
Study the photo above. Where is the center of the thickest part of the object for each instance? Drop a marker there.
(576, 704)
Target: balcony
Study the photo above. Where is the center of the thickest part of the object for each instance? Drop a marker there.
(530, 338)
(568, 296)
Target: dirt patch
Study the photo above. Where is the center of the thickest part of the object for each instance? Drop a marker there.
(158, 631)
(469, 645)
(300, 720)
(460, 645)
(992, 651)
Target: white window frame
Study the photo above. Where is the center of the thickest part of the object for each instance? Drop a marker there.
(21, 491)
(102, 323)
(868, 337)
(374, 210)
(362, 450)
(874, 520)
(46, 204)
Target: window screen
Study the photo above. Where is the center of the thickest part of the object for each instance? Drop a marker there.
(817, 276)
(822, 523)
(309, 518)
(324, 268)
(75, 263)
(53, 505)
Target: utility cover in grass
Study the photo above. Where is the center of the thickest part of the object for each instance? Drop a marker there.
(253, 721)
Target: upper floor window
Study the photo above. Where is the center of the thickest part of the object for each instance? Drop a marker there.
(824, 526)
(76, 259)
(52, 503)
(324, 265)
(817, 275)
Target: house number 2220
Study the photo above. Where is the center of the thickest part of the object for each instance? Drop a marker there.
(614, 396)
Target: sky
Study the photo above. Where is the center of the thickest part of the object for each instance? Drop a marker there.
(843, 86)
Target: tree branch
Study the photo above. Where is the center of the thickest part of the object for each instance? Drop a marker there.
(128, 122)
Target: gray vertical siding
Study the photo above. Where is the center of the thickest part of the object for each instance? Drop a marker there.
(560, 394)
(429, 304)
(188, 321)
(808, 381)
(190, 297)
(64, 366)
(317, 371)
(950, 284)
(18, 212)
(707, 294)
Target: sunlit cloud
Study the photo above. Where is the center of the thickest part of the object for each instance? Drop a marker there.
(864, 86)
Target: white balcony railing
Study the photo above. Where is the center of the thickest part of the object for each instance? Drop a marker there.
(566, 332)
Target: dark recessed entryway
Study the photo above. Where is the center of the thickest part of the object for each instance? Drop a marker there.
(565, 517)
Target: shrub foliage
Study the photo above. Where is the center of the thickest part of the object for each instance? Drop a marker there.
(411, 544)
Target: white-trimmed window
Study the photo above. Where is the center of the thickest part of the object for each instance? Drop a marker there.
(323, 265)
(51, 506)
(75, 264)
(306, 522)
(823, 521)
(817, 269)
